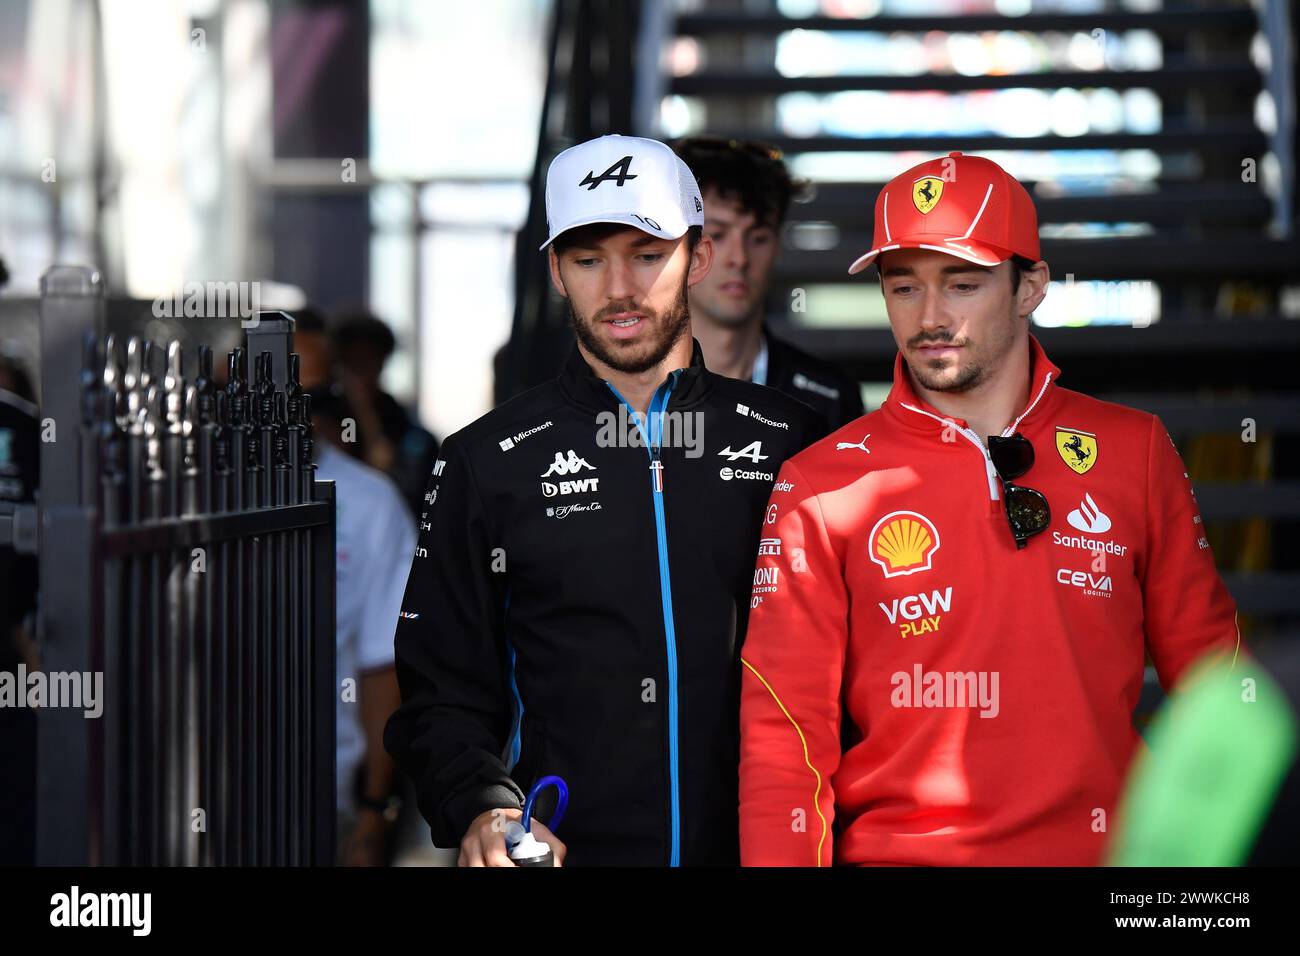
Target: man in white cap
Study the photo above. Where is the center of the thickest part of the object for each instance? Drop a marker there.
(583, 576)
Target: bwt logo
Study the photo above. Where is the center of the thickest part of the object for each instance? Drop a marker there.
(570, 487)
(213, 300)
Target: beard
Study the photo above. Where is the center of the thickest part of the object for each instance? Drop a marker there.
(940, 376)
(644, 353)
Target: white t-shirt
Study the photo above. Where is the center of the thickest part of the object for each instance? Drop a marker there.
(374, 544)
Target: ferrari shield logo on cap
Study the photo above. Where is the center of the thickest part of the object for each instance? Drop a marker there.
(926, 192)
(1077, 449)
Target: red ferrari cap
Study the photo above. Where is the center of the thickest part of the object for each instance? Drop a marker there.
(966, 206)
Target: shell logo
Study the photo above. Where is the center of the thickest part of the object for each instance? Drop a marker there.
(903, 542)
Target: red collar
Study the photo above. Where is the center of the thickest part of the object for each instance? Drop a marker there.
(906, 404)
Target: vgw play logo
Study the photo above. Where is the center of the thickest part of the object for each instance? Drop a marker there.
(919, 613)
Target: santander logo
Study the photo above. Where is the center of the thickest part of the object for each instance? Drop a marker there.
(1089, 517)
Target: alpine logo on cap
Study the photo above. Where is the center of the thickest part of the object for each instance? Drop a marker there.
(623, 166)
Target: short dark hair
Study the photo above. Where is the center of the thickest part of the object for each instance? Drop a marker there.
(751, 172)
(597, 231)
(308, 319)
(362, 327)
(1019, 266)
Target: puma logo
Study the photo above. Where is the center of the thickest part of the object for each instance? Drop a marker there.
(862, 445)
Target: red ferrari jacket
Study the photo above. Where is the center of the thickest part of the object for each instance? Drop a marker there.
(918, 691)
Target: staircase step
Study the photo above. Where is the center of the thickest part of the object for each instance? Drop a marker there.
(1181, 202)
(1169, 22)
(1275, 499)
(1267, 593)
(1182, 352)
(1153, 257)
(1189, 414)
(1237, 138)
(1177, 74)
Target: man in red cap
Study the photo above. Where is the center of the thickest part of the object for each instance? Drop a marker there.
(954, 595)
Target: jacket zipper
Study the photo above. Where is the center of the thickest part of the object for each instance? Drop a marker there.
(653, 447)
(990, 472)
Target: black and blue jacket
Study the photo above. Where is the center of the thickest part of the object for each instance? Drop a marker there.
(576, 606)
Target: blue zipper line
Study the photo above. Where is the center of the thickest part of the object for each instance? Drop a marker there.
(515, 737)
(657, 405)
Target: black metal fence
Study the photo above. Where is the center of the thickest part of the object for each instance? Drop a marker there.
(187, 555)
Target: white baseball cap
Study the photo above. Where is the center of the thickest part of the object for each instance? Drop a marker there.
(627, 179)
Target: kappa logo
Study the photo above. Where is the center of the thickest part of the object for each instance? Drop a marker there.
(903, 542)
(752, 451)
(1089, 517)
(624, 173)
(569, 465)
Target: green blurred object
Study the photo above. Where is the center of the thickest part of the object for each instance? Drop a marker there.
(1220, 749)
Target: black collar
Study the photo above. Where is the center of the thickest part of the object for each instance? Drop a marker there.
(584, 387)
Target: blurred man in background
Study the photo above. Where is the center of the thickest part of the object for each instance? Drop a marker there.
(391, 440)
(747, 191)
(375, 537)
